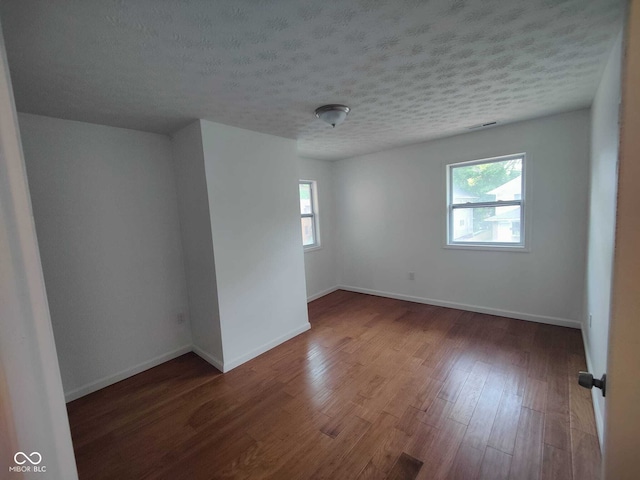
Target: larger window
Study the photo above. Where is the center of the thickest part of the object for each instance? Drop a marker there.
(485, 202)
(309, 214)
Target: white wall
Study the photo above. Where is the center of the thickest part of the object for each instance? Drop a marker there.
(321, 268)
(106, 215)
(392, 218)
(195, 226)
(252, 180)
(32, 411)
(602, 222)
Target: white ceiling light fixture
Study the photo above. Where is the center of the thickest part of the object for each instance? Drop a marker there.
(333, 114)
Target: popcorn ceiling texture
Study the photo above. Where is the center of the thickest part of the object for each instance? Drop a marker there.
(410, 70)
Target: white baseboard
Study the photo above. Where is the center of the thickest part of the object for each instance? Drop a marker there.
(263, 348)
(562, 322)
(220, 365)
(315, 296)
(595, 393)
(207, 357)
(129, 372)
(227, 366)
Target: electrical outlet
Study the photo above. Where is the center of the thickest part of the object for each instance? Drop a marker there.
(412, 276)
(180, 318)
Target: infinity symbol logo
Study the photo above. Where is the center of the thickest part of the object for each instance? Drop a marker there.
(29, 458)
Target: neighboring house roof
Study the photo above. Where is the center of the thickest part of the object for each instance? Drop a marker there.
(461, 195)
(512, 214)
(508, 189)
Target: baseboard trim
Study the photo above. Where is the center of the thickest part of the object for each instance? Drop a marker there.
(318, 295)
(207, 357)
(561, 322)
(595, 392)
(230, 365)
(129, 372)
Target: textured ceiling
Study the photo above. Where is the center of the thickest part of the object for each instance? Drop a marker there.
(410, 70)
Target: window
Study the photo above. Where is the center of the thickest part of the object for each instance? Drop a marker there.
(309, 214)
(485, 202)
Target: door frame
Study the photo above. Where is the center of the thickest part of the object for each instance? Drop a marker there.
(32, 407)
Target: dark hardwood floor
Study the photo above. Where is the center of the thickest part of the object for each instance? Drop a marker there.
(377, 389)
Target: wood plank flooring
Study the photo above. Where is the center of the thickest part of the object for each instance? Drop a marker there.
(377, 389)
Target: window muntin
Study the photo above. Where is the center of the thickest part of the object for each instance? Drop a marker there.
(485, 202)
(308, 214)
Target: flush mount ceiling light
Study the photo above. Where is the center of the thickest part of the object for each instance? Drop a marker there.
(332, 114)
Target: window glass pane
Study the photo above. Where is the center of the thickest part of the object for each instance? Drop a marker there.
(488, 224)
(487, 182)
(305, 198)
(308, 234)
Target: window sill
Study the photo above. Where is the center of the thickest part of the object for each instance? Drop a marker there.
(490, 248)
(312, 248)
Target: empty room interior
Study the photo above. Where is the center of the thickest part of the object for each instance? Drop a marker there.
(295, 239)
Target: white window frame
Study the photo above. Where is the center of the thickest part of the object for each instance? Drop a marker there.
(523, 245)
(313, 185)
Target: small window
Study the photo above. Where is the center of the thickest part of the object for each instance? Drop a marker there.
(485, 202)
(309, 214)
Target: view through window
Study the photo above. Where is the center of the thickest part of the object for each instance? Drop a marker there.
(486, 202)
(308, 214)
